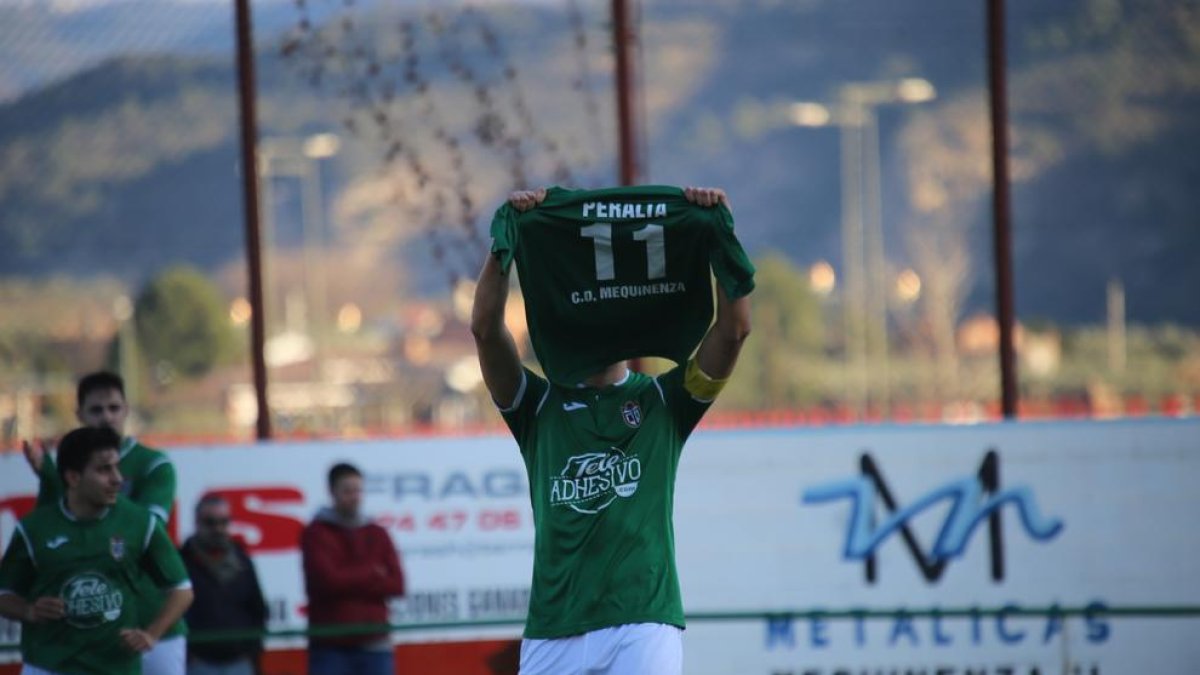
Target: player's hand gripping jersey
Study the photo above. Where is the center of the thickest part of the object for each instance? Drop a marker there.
(618, 273)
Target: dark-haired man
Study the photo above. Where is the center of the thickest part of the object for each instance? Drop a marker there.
(74, 569)
(148, 481)
(602, 452)
(350, 570)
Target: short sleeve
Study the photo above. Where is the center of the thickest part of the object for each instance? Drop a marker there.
(732, 267)
(156, 489)
(686, 408)
(18, 569)
(161, 560)
(504, 235)
(522, 415)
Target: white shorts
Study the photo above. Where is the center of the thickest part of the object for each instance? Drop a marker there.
(169, 657)
(630, 649)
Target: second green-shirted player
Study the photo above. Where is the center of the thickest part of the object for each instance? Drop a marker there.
(75, 570)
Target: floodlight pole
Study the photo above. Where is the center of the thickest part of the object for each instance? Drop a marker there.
(249, 147)
(1002, 206)
(624, 43)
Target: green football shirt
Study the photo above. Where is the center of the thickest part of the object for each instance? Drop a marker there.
(601, 465)
(618, 273)
(96, 567)
(148, 479)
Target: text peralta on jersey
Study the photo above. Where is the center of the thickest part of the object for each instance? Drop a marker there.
(618, 273)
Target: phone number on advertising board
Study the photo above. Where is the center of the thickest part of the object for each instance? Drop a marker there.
(487, 520)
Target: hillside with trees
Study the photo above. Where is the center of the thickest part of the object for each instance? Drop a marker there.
(131, 166)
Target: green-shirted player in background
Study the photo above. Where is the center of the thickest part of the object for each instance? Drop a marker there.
(72, 571)
(148, 480)
(602, 459)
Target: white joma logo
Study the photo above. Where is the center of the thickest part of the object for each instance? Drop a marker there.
(574, 405)
(56, 542)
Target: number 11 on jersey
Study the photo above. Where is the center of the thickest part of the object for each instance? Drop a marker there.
(602, 246)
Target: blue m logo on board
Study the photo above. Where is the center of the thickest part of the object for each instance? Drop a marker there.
(973, 499)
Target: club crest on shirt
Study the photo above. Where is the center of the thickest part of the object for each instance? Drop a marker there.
(116, 546)
(631, 413)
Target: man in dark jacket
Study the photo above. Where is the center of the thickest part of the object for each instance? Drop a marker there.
(350, 570)
(228, 595)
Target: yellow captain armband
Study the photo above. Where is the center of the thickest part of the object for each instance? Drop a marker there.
(702, 387)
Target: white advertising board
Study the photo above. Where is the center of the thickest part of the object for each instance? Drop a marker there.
(1086, 515)
(950, 532)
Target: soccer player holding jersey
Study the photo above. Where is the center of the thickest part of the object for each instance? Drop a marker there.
(73, 569)
(602, 458)
(148, 479)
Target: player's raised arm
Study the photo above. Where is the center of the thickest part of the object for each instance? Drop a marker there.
(719, 350)
(50, 487)
(498, 356)
(35, 454)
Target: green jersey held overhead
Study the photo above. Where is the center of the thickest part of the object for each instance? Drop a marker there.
(618, 273)
(95, 567)
(148, 481)
(602, 465)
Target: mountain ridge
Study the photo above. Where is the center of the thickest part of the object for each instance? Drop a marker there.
(164, 187)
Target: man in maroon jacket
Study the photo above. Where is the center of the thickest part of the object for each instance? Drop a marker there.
(350, 570)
